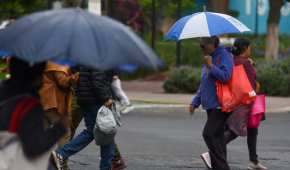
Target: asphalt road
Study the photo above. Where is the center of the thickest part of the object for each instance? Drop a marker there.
(169, 139)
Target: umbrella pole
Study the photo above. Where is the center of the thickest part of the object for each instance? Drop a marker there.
(178, 43)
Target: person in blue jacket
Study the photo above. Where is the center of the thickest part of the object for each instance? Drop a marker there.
(218, 66)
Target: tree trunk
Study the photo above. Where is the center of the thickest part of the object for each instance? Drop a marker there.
(272, 40)
(72, 3)
(220, 6)
(110, 8)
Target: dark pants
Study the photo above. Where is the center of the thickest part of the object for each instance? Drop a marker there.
(252, 144)
(213, 135)
(251, 141)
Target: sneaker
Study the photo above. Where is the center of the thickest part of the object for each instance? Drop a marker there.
(127, 109)
(206, 159)
(60, 163)
(118, 164)
(258, 166)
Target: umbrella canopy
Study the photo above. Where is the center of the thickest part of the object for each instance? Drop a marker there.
(77, 36)
(205, 24)
(4, 54)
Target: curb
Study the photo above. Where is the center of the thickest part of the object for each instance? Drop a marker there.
(284, 110)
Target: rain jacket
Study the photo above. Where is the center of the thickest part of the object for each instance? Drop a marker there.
(56, 92)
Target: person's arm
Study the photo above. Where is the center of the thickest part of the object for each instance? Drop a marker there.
(35, 139)
(196, 101)
(223, 71)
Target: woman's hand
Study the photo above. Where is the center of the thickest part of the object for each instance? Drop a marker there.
(108, 103)
(75, 77)
(191, 109)
(208, 61)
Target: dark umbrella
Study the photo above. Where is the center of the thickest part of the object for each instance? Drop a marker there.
(77, 36)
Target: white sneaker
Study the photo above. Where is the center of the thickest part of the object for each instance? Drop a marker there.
(127, 109)
(206, 159)
(258, 166)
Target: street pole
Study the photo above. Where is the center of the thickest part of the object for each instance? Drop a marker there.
(256, 18)
(178, 43)
(94, 6)
(153, 24)
(57, 5)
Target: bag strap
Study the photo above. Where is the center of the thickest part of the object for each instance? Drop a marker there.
(6, 108)
(22, 107)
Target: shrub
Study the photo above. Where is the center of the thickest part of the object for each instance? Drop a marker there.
(183, 80)
(191, 53)
(274, 77)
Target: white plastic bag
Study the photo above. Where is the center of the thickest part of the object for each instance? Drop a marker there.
(106, 121)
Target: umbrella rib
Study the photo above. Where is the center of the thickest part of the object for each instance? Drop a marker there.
(22, 32)
(49, 36)
(91, 28)
(71, 36)
(136, 38)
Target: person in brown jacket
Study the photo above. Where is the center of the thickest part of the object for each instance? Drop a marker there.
(56, 94)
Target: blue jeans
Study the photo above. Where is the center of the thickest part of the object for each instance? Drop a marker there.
(86, 137)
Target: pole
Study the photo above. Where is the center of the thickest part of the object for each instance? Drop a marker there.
(178, 43)
(153, 24)
(256, 18)
(106, 4)
(94, 6)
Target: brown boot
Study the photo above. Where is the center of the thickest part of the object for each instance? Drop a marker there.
(118, 163)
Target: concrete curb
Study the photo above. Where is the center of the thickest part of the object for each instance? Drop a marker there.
(283, 110)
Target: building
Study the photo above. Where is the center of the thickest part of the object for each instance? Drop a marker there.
(248, 9)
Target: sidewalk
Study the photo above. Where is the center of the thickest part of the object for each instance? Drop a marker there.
(152, 92)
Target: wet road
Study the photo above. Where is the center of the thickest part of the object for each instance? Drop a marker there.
(169, 139)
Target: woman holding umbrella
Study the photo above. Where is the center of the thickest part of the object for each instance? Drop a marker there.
(218, 67)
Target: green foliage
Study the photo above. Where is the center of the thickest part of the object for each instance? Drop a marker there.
(17, 8)
(164, 8)
(167, 7)
(2, 65)
(183, 80)
(274, 77)
(190, 52)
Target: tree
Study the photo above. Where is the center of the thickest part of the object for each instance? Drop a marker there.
(220, 6)
(72, 3)
(17, 8)
(272, 40)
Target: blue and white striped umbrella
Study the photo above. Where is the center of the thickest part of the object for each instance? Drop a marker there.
(205, 24)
